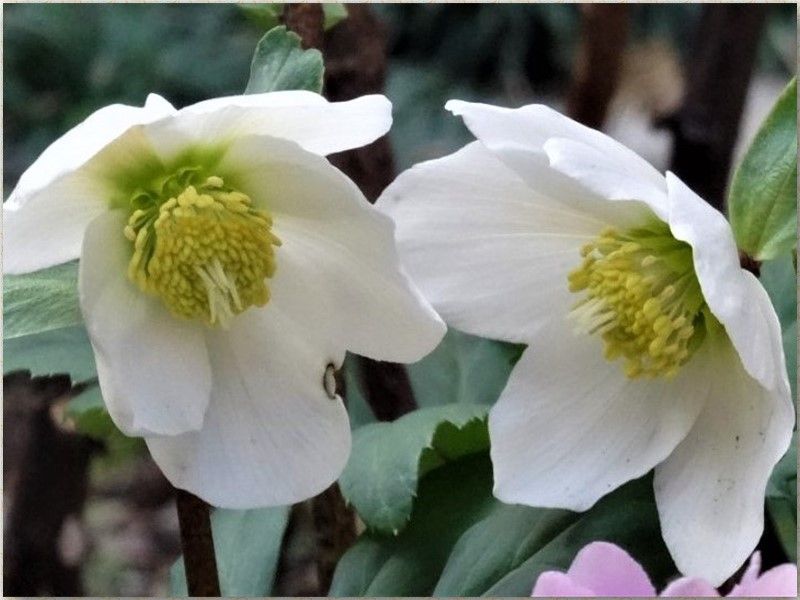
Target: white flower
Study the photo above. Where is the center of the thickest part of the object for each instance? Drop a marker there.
(224, 265)
(648, 345)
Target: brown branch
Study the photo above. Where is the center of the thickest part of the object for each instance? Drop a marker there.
(335, 523)
(355, 65)
(45, 478)
(604, 32)
(197, 542)
(307, 21)
(707, 124)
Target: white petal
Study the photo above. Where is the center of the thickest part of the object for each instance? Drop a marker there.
(338, 251)
(314, 123)
(272, 435)
(153, 368)
(48, 229)
(84, 141)
(70, 184)
(520, 137)
(734, 295)
(710, 491)
(570, 427)
(606, 176)
(490, 254)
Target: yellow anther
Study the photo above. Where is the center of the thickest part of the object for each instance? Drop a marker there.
(205, 252)
(647, 310)
(648, 260)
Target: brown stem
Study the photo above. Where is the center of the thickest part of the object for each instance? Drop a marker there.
(45, 479)
(604, 32)
(707, 125)
(335, 523)
(748, 263)
(197, 541)
(355, 65)
(307, 21)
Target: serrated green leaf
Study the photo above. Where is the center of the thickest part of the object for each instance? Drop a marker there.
(463, 368)
(782, 500)
(450, 499)
(780, 280)
(763, 199)
(388, 459)
(248, 546)
(280, 63)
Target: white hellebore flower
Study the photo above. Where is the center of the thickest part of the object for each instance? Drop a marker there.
(648, 345)
(225, 267)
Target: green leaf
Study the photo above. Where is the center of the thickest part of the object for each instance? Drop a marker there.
(780, 280)
(280, 63)
(763, 199)
(388, 459)
(782, 500)
(463, 368)
(461, 541)
(65, 350)
(265, 15)
(335, 13)
(42, 325)
(450, 499)
(89, 414)
(41, 301)
(358, 408)
(248, 546)
(505, 553)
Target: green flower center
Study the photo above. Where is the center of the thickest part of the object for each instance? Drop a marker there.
(641, 295)
(201, 247)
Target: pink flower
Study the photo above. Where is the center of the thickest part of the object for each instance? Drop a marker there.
(603, 569)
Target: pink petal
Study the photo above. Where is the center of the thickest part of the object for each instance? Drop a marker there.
(689, 587)
(780, 581)
(610, 571)
(554, 584)
(752, 571)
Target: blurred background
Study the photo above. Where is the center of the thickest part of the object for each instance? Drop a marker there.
(649, 75)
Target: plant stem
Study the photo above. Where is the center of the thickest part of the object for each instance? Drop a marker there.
(705, 128)
(306, 20)
(355, 65)
(604, 33)
(197, 542)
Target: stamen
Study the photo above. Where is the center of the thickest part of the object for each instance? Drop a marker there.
(205, 251)
(641, 295)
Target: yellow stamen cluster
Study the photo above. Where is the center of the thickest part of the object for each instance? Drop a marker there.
(205, 251)
(640, 293)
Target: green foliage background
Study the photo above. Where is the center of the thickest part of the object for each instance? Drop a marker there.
(62, 61)
(433, 525)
